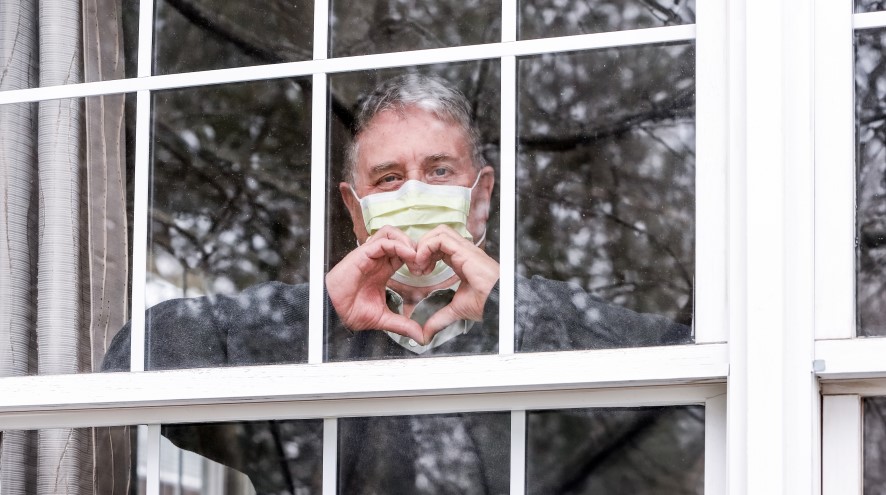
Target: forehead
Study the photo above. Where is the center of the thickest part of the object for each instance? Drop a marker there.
(395, 135)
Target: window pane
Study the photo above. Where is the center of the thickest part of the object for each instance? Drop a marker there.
(870, 97)
(447, 453)
(379, 26)
(546, 18)
(192, 35)
(606, 198)
(644, 450)
(64, 290)
(869, 5)
(243, 458)
(50, 46)
(479, 82)
(874, 445)
(230, 217)
(106, 460)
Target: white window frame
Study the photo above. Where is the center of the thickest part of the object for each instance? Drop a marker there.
(672, 375)
(850, 368)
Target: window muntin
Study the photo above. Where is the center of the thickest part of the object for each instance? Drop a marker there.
(606, 182)
(548, 18)
(392, 26)
(870, 94)
(220, 35)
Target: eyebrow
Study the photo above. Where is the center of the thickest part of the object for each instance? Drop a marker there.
(382, 168)
(437, 157)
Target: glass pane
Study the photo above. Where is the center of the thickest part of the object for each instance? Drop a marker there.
(379, 26)
(49, 46)
(106, 460)
(874, 445)
(218, 34)
(869, 5)
(230, 217)
(479, 83)
(642, 451)
(447, 453)
(264, 457)
(606, 198)
(64, 291)
(870, 98)
(547, 18)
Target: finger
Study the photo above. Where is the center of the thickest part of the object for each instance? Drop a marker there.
(393, 233)
(389, 248)
(401, 325)
(440, 243)
(438, 321)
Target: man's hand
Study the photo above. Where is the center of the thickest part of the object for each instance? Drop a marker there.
(477, 271)
(356, 286)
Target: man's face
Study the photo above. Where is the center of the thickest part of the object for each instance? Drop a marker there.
(416, 145)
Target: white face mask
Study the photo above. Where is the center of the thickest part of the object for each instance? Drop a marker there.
(416, 208)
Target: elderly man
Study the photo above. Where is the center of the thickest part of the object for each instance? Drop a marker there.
(419, 282)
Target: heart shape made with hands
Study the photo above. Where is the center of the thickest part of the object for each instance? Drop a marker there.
(357, 285)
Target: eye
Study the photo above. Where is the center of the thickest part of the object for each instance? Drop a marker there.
(440, 172)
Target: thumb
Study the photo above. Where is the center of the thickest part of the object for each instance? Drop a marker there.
(400, 325)
(438, 321)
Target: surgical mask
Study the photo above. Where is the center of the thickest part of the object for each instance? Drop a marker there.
(416, 208)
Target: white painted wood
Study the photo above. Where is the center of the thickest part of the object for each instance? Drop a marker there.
(865, 387)
(383, 378)
(518, 452)
(868, 20)
(509, 19)
(330, 456)
(841, 445)
(851, 358)
(766, 84)
(121, 414)
(363, 62)
(709, 320)
(737, 397)
(507, 209)
(140, 229)
(317, 253)
(321, 29)
(145, 37)
(716, 479)
(834, 171)
(152, 478)
(800, 398)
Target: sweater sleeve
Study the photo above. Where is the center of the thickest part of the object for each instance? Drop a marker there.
(552, 315)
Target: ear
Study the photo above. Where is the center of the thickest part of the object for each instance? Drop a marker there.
(353, 206)
(481, 202)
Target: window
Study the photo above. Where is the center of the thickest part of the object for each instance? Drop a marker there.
(637, 160)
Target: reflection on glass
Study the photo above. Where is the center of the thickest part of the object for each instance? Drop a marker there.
(869, 5)
(547, 18)
(641, 451)
(870, 114)
(379, 26)
(192, 35)
(229, 209)
(69, 243)
(479, 82)
(71, 460)
(264, 457)
(606, 197)
(447, 453)
(874, 445)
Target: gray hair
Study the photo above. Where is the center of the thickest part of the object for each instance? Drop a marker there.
(415, 90)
